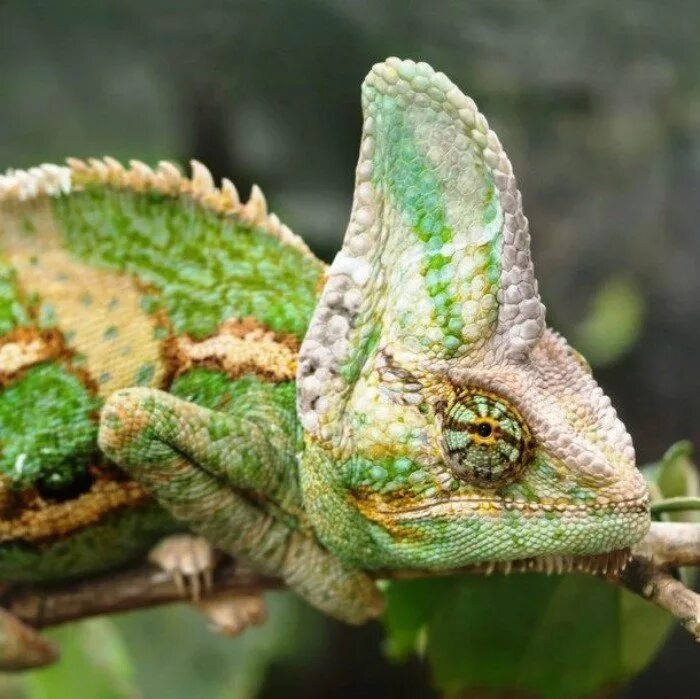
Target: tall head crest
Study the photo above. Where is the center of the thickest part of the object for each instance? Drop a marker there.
(436, 258)
(443, 422)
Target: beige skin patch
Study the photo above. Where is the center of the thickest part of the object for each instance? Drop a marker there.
(100, 315)
(241, 346)
(28, 223)
(99, 312)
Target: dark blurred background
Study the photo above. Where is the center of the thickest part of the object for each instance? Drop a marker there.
(598, 105)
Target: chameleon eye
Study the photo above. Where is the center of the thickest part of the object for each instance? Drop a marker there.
(485, 440)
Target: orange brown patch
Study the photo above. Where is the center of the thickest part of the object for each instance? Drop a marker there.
(22, 348)
(241, 346)
(373, 506)
(28, 517)
(321, 283)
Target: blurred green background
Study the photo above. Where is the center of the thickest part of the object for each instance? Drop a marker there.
(598, 105)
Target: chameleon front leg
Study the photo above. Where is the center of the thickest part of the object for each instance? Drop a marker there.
(191, 561)
(232, 478)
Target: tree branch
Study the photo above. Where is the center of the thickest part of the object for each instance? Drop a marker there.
(660, 587)
(666, 545)
(671, 544)
(131, 589)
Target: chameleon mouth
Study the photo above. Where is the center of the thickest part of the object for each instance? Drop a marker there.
(612, 562)
(456, 506)
(465, 534)
(609, 563)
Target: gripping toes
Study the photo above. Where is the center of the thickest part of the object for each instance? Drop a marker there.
(231, 614)
(190, 560)
(202, 466)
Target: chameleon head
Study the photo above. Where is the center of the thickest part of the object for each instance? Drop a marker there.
(444, 424)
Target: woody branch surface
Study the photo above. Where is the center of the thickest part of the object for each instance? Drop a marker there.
(667, 545)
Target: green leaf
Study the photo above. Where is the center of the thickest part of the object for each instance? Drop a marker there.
(559, 637)
(675, 476)
(566, 637)
(673, 484)
(206, 665)
(172, 653)
(94, 663)
(614, 323)
(410, 606)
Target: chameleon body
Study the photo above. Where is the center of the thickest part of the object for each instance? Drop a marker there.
(174, 360)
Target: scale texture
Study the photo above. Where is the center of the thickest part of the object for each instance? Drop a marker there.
(175, 360)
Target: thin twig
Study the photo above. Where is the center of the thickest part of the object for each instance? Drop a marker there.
(671, 544)
(661, 588)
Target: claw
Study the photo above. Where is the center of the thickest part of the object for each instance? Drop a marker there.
(190, 560)
(179, 580)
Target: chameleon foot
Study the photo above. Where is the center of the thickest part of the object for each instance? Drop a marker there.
(231, 614)
(190, 560)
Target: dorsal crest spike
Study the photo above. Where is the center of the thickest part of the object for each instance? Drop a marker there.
(169, 168)
(100, 169)
(77, 165)
(256, 206)
(140, 167)
(202, 180)
(113, 163)
(77, 174)
(168, 177)
(141, 177)
(116, 171)
(230, 193)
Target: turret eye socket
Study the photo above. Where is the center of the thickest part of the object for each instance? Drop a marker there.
(485, 440)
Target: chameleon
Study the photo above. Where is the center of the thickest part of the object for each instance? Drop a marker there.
(177, 363)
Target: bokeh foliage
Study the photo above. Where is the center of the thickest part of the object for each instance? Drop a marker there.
(598, 105)
(555, 637)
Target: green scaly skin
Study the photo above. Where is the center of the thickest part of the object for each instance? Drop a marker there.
(149, 333)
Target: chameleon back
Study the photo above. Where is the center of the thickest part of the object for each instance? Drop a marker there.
(111, 278)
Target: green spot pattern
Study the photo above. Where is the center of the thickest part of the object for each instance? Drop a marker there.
(417, 192)
(144, 374)
(388, 475)
(206, 268)
(350, 369)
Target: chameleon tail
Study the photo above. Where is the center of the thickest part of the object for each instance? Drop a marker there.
(21, 647)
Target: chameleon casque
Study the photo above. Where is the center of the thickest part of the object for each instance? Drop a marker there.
(172, 360)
